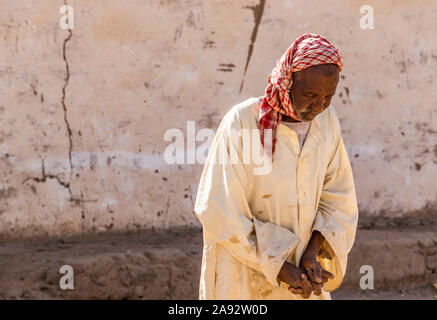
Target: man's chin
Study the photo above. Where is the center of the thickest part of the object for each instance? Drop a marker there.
(306, 118)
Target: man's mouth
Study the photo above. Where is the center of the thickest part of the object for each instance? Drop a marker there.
(309, 115)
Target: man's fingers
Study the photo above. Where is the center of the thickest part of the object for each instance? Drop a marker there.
(307, 287)
(327, 274)
(310, 273)
(317, 289)
(305, 295)
(306, 284)
(324, 280)
(295, 290)
(318, 273)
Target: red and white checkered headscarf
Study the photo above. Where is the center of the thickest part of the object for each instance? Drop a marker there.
(306, 51)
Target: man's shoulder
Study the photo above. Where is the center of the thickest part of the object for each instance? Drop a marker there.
(241, 115)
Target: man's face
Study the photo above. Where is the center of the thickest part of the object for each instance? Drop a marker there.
(312, 90)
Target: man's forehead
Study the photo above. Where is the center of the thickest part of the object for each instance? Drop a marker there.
(314, 79)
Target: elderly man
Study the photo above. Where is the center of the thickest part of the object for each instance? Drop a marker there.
(284, 234)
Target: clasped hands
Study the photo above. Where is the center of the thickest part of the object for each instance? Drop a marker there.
(309, 276)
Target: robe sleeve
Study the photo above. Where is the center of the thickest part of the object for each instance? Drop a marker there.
(223, 210)
(337, 216)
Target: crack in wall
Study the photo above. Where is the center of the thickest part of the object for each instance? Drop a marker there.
(66, 80)
(78, 201)
(404, 62)
(167, 206)
(258, 11)
(45, 176)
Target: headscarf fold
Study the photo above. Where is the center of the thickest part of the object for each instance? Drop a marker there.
(306, 51)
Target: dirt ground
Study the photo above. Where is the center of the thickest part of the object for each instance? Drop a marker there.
(166, 265)
(148, 265)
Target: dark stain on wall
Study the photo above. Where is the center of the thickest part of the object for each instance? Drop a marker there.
(258, 11)
(380, 96)
(207, 43)
(8, 192)
(226, 67)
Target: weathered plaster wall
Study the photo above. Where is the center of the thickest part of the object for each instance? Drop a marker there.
(83, 112)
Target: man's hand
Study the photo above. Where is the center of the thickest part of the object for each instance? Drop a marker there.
(296, 279)
(317, 275)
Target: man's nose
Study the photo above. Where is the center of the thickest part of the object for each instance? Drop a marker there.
(319, 104)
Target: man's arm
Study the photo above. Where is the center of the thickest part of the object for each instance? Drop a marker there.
(317, 275)
(337, 216)
(314, 244)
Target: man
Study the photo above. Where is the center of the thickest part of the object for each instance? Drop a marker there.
(284, 234)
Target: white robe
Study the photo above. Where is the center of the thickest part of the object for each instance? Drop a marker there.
(253, 223)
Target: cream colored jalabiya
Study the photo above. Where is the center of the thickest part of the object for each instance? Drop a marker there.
(253, 223)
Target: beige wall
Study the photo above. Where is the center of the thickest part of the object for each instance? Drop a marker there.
(138, 68)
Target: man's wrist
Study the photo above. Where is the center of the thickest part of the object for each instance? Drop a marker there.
(314, 245)
(311, 253)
